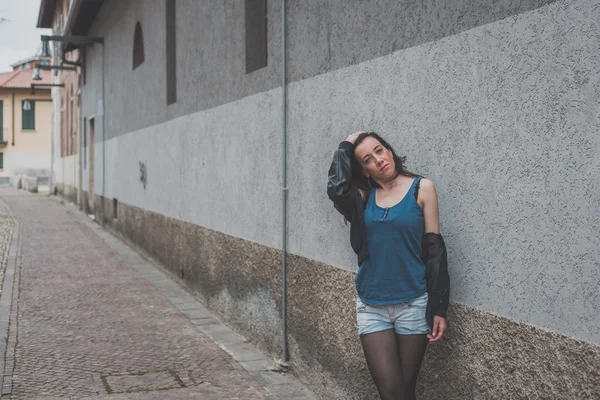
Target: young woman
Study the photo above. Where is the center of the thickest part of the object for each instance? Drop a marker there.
(402, 281)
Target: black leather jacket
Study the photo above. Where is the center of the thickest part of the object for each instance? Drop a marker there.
(348, 201)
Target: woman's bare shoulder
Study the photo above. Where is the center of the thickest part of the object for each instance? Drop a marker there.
(427, 193)
(426, 184)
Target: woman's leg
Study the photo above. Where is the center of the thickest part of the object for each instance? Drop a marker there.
(411, 349)
(381, 352)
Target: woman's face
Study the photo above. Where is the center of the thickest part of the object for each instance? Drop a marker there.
(376, 160)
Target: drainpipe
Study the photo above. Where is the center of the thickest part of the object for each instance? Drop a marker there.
(79, 152)
(52, 135)
(13, 118)
(103, 141)
(284, 356)
(75, 154)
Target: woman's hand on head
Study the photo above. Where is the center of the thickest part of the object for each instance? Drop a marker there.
(352, 138)
(439, 327)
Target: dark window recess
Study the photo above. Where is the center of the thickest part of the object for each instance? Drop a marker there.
(138, 46)
(1, 160)
(115, 205)
(84, 141)
(1, 121)
(28, 115)
(256, 35)
(171, 53)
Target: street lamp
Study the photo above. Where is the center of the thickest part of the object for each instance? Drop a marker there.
(34, 85)
(51, 67)
(80, 40)
(37, 75)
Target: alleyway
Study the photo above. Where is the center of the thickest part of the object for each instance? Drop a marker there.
(90, 318)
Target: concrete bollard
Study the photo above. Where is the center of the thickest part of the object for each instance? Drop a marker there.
(15, 181)
(30, 183)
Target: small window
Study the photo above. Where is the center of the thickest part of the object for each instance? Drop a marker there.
(256, 35)
(28, 121)
(171, 53)
(138, 46)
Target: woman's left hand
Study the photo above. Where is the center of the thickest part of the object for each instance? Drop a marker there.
(439, 327)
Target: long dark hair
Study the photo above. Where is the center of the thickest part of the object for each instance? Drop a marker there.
(360, 180)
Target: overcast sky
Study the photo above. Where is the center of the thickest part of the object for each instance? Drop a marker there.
(19, 37)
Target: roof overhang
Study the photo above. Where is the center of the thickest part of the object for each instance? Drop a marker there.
(46, 13)
(81, 17)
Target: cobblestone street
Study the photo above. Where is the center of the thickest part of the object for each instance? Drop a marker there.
(90, 318)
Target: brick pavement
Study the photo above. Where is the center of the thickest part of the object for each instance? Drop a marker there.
(6, 227)
(97, 321)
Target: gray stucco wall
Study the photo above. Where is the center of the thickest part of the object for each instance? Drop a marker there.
(503, 117)
(322, 37)
(329, 35)
(93, 108)
(210, 60)
(208, 168)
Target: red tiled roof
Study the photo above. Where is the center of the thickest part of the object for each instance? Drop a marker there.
(6, 76)
(21, 79)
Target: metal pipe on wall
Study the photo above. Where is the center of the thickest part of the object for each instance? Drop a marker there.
(79, 149)
(103, 132)
(13, 118)
(74, 110)
(52, 147)
(284, 193)
(83, 128)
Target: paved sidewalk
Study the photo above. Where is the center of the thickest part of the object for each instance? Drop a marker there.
(90, 318)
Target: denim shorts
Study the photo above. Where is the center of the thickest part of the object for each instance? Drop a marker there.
(405, 318)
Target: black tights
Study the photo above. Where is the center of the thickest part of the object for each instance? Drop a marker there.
(394, 361)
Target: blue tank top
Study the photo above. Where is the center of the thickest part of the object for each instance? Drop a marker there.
(393, 272)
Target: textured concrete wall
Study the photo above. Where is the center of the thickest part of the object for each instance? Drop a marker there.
(322, 37)
(213, 170)
(505, 119)
(502, 117)
(94, 107)
(484, 356)
(68, 192)
(30, 162)
(65, 170)
(210, 61)
(329, 35)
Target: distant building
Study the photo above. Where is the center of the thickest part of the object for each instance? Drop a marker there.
(29, 63)
(66, 127)
(25, 121)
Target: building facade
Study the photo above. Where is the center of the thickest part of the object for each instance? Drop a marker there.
(30, 63)
(25, 121)
(183, 114)
(67, 127)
